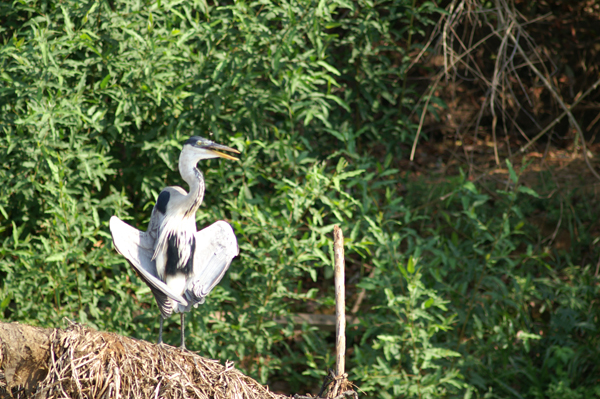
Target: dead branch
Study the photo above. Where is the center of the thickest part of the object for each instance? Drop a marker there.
(500, 85)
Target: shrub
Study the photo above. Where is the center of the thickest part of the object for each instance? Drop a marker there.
(96, 98)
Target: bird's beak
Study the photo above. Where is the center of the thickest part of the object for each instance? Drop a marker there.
(221, 147)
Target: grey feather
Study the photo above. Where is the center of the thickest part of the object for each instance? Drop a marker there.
(165, 304)
(137, 247)
(216, 246)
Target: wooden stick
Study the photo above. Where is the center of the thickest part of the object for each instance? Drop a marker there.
(340, 302)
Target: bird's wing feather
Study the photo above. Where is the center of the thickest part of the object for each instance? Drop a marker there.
(156, 220)
(137, 247)
(216, 246)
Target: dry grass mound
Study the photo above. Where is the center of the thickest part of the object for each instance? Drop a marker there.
(89, 364)
(83, 363)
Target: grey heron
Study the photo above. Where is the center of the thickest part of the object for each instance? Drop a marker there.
(180, 264)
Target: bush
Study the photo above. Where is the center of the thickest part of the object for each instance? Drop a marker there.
(96, 100)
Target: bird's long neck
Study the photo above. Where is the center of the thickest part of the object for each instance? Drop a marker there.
(194, 178)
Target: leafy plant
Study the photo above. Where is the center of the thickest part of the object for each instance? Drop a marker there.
(95, 100)
(404, 358)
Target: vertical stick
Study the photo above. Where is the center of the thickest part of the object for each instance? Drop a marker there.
(340, 302)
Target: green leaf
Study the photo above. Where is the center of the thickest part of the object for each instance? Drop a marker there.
(427, 304)
(105, 81)
(528, 191)
(511, 172)
(57, 257)
(411, 265)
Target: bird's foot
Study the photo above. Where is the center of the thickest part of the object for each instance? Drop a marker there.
(183, 348)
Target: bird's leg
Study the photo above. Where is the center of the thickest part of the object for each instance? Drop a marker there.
(182, 330)
(162, 319)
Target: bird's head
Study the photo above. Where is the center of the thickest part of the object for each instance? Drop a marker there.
(202, 148)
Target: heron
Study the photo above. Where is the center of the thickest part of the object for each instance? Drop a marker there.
(179, 264)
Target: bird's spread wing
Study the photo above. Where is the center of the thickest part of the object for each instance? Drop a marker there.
(216, 246)
(138, 247)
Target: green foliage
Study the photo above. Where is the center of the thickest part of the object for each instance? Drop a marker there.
(95, 99)
(404, 359)
(526, 325)
(97, 96)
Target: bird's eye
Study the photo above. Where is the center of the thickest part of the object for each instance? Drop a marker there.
(198, 142)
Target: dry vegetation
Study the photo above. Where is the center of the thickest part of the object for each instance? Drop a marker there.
(520, 82)
(84, 363)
